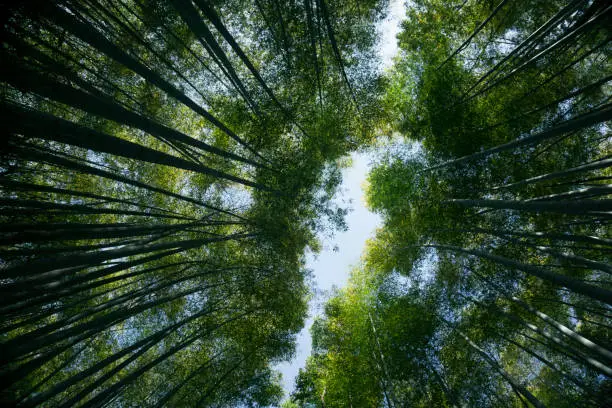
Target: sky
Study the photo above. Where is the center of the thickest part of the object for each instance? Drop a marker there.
(331, 267)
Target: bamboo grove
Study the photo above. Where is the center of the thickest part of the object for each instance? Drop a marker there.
(489, 283)
(165, 165)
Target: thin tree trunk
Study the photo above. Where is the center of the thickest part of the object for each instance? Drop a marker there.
(53, 294)
(554, 103)
(121, 300)
(572, 284)
(565, 39)
(332, 39)
(220, 380)
(46, 157)
(548, 363)
(151, 340)
(44, 126)
(14, 349)
(591, 118)
(589, 263)
(168, 395)
(474, 33)
(100, 231)
(27, 79)
(593, 347)
(530, 397)
(541, 235)
(531, 39)
(43, 265)
(313, 46)
(19, 186)
(578, 356)
(575, 354)
(596, 165)
(584, 206)
(586, 192)
(92, 37)
(33, 207)
(214, 18)
(190, 16)
(450, 395)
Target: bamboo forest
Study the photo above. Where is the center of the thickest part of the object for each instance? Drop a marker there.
(169, 166)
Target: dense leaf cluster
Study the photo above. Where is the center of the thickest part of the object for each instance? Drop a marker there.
(489, 283)
(164, 167)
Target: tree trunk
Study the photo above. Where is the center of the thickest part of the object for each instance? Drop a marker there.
(44, 126)
(599, 164)
(143, 344)
(530, 397)
(92, 37)
(591, 346)
(46, 265)
(591, 118)
(474, 33)
(564, 207)
(28, 80)
(572, 284)
(540, 235)
(190, 15)
(48, 157)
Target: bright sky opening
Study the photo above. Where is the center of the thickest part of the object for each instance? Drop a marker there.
(331, 268)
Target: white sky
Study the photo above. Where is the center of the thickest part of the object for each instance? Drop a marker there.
(388, 30)
(332, 267)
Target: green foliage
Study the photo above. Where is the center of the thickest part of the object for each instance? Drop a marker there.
(166, 165)
(490, 282)
(163, 173)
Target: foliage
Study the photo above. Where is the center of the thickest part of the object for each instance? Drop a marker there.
(490, 276)
(165, 166)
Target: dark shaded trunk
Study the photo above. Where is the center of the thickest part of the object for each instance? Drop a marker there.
(19, 186)
(121, 301)
(14, 349)
(332, 39)
(586, 192)
(168, 395)
(576, 355)
(47, 157)
(474, 33)
(579, 339)
(517, 386)
(566, 39)
(591, 118)
(555, 103)
(548, 363)
(216, 384)
(27, 79)
(190, 15)
(99, 399)
(572, 284)
(46, 265)
(313, 47)
(596, 165)
(576, 337)
(98, 231)
(142, 346)
(60, 287)
(541, 235)
(531, 40)
(584, 206)
(92, 37)
(44, 126)
(32, 207)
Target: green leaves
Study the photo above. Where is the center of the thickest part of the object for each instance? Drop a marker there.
(163, 172)
(488, 230)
